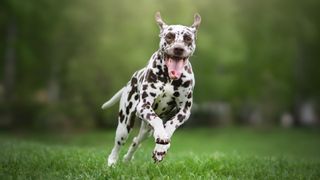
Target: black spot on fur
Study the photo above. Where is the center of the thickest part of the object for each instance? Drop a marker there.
(163, 78)
(176, 84)
(156, 106)
(160, 141)
(136, 97)
(154, 64)
(176, 94)
(151, 77)
(131, 121)
(189, 95)
(171, 103)
(145, 87)
(181, 117)
(147, 106)
(149, 115)
(153, 86)
(186, 84)
(121, 116)
(128, 128)
(134, 81)
(119, 143)
(153, 94)
(144, 94)
(133, 90)
(128, 108)
(186, 106)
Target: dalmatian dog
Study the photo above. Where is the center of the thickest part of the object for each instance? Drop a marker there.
(160, 95)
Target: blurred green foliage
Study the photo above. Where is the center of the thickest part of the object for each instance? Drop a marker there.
(71, 56)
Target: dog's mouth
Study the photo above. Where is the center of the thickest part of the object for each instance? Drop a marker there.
(175, 65)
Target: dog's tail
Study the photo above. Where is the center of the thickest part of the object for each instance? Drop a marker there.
(113, 100)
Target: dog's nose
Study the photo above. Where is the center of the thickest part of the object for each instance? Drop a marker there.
(178, 51)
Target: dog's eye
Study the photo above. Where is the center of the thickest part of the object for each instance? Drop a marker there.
(170, 37)
(187, 39)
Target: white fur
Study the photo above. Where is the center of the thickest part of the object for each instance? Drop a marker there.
(113, 100)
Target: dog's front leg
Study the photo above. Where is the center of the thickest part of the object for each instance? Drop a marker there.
(170, 126)
(181, 117)
(145, 112)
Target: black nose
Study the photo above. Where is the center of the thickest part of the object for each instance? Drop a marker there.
(178, 51)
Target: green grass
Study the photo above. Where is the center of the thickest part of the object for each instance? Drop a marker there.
(233, 153)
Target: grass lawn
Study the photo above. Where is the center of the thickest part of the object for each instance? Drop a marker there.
(232, 153)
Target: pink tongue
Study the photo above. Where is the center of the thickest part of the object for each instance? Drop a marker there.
(175, 67)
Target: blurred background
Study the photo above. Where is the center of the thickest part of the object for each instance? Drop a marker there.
(257, 63)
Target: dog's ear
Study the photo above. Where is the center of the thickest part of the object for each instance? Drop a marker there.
(197, 21)
(160, 21)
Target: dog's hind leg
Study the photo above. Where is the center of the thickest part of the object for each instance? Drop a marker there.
(122, 133)
(120, 138)
(143, 134)
(126, 118)
(126, 121)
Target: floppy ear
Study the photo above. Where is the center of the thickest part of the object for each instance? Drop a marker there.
(197, 21)
(160, 21)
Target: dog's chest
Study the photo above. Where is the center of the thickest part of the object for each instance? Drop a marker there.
(165, 102)
(167, 90)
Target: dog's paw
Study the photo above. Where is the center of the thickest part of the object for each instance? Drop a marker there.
(111, 161)
(161, 138)
(127, 158)
(159, 152)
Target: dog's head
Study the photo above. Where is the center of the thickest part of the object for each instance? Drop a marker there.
(177, 42)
